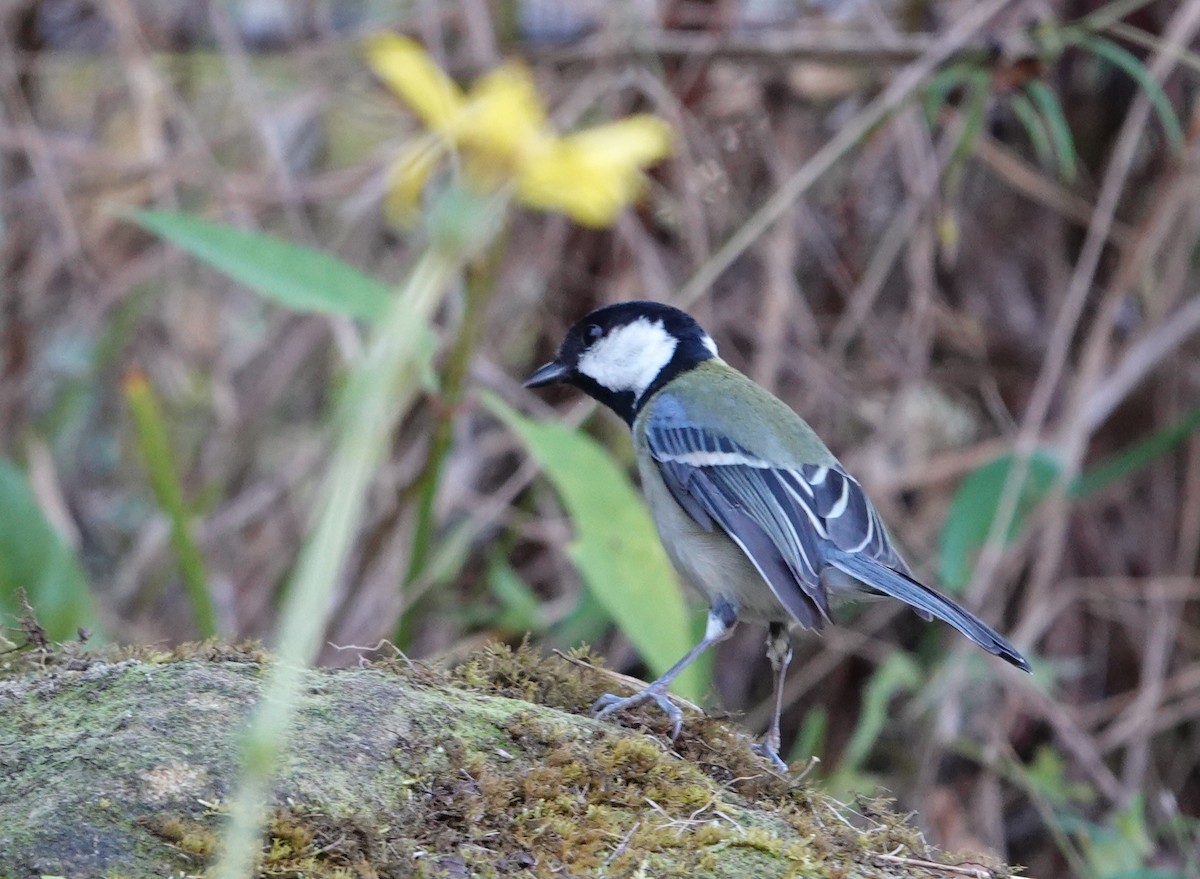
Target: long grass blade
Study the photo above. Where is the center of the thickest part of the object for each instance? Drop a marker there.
(154, 447)
(1035, 130)
(1125, 60)
(1047, 103)
(1137, 456)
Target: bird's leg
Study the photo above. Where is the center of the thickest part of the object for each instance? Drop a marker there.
(779, 651)
(722, 617)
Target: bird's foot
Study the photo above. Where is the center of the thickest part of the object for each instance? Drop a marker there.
(770, 750)
(610, 704)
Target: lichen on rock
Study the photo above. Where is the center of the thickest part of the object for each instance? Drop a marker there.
(118, 765)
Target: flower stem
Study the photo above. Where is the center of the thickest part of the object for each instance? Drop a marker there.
(480, 282)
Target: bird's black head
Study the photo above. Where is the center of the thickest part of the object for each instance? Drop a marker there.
(620, 354)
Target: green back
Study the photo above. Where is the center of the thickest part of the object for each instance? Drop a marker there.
(716, 395)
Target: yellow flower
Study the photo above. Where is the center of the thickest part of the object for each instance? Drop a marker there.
(500, 130)
(591, 175)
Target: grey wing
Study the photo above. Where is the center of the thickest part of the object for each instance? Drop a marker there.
(850, 518)
(784, 519)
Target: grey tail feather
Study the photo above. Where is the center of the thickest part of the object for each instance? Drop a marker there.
(920, 597)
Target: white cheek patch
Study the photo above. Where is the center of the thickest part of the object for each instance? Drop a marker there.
(630, 357)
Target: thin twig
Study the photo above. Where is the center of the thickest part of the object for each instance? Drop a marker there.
(1142, 357)
(907, 82)
(1058, 346)
(1024, 178)
(853, 49)
(935, 867)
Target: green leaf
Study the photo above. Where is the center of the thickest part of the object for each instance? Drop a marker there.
(1122, 58)
(294, 276)
(35, 558)
(1048, 105)
(937, 93)
(1034, 125)
(616, 548)
(1048, 777)
(978, 90)
(1119, 848)
(1140, 454)
(520, 609)
(969, 519)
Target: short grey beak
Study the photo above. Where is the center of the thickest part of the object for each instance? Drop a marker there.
(547, 375)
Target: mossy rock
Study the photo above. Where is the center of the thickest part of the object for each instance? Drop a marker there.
(118, 766)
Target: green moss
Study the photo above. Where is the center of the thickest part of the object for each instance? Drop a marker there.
(489, 769)
(190, 837)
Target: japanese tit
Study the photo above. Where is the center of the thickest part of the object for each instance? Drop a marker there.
(751, 506)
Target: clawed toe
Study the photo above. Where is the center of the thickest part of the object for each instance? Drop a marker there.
(610, 704)
(764, 749)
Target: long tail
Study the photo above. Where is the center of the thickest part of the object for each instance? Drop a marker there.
(890, 582)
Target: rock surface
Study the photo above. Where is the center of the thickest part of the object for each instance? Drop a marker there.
(119, 767)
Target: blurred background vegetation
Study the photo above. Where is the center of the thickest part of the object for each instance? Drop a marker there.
(959, 237)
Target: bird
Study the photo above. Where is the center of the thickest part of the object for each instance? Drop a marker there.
(752, 508)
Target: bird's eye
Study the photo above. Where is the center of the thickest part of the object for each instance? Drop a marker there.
(592, 333)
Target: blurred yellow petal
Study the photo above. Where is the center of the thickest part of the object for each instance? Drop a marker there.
(592, 175)
(406, 68)
(638, 141)
(567, 180)
(504, 113)
(499, 129)
(406, 180)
